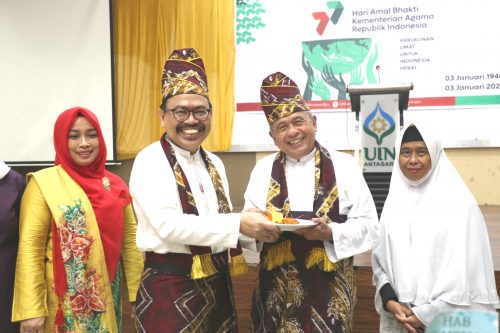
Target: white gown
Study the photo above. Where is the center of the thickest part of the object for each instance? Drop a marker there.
(433, 247)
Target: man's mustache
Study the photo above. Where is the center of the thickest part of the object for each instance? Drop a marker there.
(182, 127)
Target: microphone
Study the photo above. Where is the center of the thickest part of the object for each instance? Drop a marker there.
(378, 72)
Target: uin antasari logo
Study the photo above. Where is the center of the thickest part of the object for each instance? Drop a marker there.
(379, 124)
(323, 18)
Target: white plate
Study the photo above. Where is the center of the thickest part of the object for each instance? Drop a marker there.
(301, 224)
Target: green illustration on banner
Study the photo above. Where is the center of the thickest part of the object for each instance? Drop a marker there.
(328, 63)
(247, 20)
(332, 64)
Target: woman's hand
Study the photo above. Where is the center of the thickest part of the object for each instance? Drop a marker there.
(405, 317)
(33, 325)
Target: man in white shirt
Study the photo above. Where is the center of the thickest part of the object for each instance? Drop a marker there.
(306, 279)
(180, 196)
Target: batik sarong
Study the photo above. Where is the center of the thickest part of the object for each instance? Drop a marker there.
(298, 288)
(170, 301)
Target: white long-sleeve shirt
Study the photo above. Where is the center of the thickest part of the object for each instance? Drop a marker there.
(162, 225)
(358, 234)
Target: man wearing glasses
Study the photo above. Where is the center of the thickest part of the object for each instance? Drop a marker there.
(185, 225)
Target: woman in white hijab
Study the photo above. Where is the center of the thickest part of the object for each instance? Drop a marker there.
(433, 253)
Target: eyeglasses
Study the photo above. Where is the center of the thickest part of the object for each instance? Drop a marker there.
(183, 114)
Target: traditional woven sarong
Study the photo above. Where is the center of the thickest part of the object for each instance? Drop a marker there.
(170, 301)
(189, 292)
(298, 288)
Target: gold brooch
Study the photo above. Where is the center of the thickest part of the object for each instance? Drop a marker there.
(106, 184)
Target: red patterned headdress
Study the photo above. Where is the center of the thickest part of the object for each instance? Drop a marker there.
(280, 97)
(184, 73)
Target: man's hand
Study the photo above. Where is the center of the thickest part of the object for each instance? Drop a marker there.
(256, 225)
(321, 231)
(33, 325)
(252, 209)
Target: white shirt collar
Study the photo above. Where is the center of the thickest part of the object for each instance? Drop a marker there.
(303, 160)
(186, 154)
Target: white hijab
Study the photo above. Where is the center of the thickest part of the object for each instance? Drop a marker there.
(433, 241)
(4, 169)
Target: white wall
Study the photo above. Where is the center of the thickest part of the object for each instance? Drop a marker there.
(55, 54)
